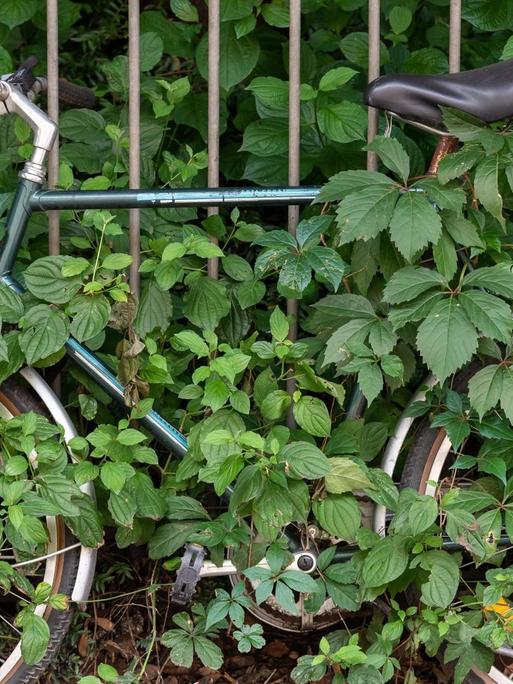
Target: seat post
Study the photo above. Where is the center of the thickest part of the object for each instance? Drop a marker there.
(445, 146)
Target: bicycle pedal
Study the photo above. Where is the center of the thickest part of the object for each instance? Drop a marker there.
(188, 574)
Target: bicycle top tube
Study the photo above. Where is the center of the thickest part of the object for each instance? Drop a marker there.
(45, 200)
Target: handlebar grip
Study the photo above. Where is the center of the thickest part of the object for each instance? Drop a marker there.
(75, 95)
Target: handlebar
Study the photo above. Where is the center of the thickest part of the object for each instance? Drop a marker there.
(30, 85)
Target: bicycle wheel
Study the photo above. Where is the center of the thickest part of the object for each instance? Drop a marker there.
(60, 570)
(426, 468)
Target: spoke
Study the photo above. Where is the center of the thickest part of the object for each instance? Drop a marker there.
(48, 555)
(7, 622)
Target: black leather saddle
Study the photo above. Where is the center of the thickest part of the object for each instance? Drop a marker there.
(486, 93)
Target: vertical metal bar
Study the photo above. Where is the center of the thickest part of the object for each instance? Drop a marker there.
(455, 36)
(294, 149)
(52, 58)
(214, 54)
(373, 114)
(134, 157)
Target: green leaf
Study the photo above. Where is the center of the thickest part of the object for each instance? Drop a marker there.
(456, 164)
(414, 224)
(409, 282)
(116, 262)
(370, 381)
(486, 186)
(342, 122)
(325, 262)
(13, 13)
(488, 16)
(444, 578)
(392, 154)
(114, 475)
(279, 325)
(266, 138)
(188, 340)
(507, 393)
(237, 60)
(399, 18)
(339, 514)
(334, 78)
(44, 279)
(346, 182)
(209, 653)
(444, 254)
(446, 338)
(34, 638)
(206, 303)
(185, 10)
(339, 344)
(107, 672)
(461, 230)
(312, 415)
(497, 279)
(270, 91)
(364, 214)
(345, 476)
(422, 514)
(90, 316)
(11, 306)
(485, 388)
(151, 48)
(155, 310)
(491, 315)
(169, 538)
(386, 561)
(45, 332)
(304, 460)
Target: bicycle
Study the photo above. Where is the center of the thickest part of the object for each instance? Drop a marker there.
(69, 567)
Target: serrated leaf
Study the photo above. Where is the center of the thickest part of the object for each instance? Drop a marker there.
(45, 331)
(206, 303)
(443, 581)
(485, 388)
(334, 78)
(370, 381)
(491, 315)
(445, 256)
(486, 186)
(342, 122)
(507, 393)
(446, 338)
(385, 562)
(415, 223)
(339, 514)
(410, 282)
(345, 476)
(304, 460)
(90, 316)
(155, 310)
(456, 164)
(312, 415)
(392, 154)
(497, 279)
(364, 214)
(347, 182)
(44, 279)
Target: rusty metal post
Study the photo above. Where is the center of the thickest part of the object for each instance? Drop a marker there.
(455, 36)
(134, 157)
(52, 59)
(373, 68)
(214, 54)
(294, 152)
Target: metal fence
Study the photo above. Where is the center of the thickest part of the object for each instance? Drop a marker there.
(214, 48)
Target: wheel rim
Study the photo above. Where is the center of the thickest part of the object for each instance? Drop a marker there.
(53, 565)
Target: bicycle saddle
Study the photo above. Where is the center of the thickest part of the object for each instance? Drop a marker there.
(486, 93)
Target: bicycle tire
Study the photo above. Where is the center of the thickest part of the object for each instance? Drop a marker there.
(17, 398)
